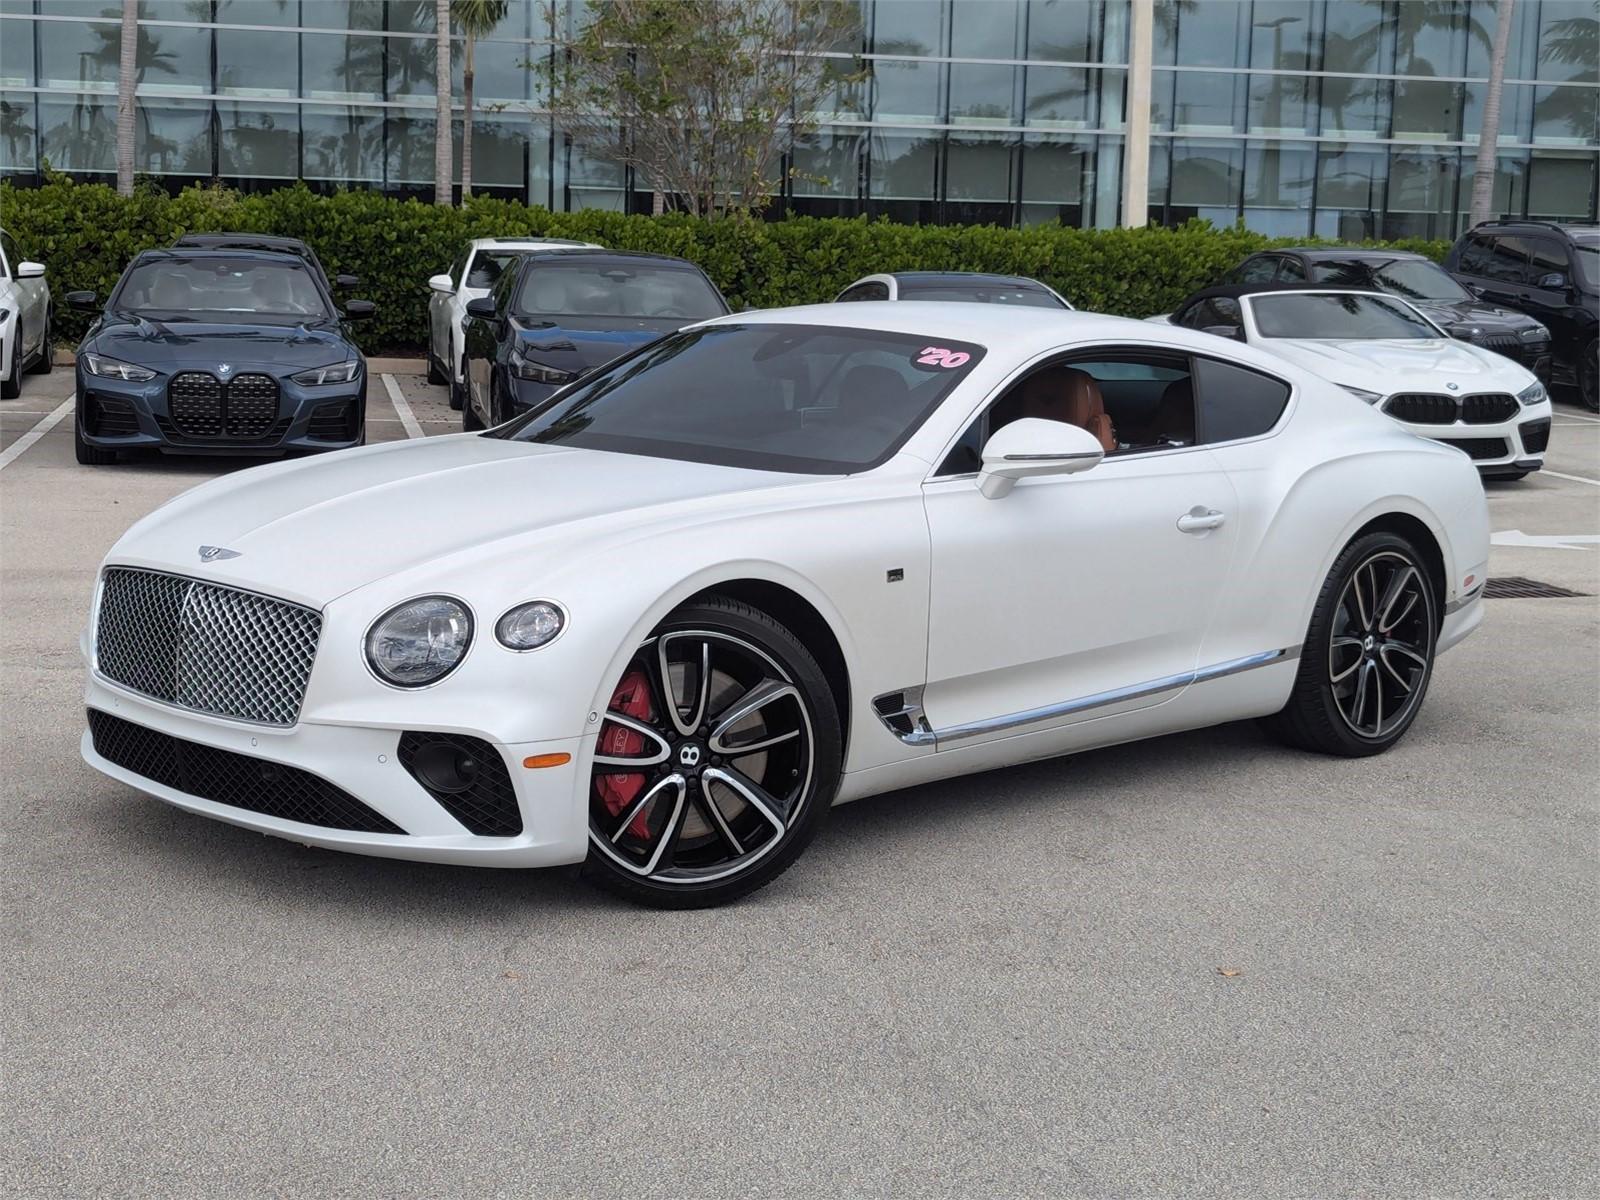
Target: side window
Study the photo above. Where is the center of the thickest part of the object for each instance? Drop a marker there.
(1506, 260)
(1476, 255)
(1546, 256)
(1236, 402)
(487, 268)
(502, 290)
(873, 290)
(1214, 312)
(1291, 270)
(1259, 269)
(458, 269)
(8, 247)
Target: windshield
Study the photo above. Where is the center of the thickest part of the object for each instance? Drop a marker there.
(1331, 317)
(981, 293)
(552, 287)
(769, 397)
(220, 285)
(1408, 277)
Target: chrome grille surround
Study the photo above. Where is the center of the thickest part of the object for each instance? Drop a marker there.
(204, 647)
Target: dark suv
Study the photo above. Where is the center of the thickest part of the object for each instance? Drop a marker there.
(1552, 273)
(1411, 277)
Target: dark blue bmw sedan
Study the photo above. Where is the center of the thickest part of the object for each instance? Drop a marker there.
(219, 352)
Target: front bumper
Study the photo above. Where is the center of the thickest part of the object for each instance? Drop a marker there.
(1514, 446)
(113, 414)
(364, 763)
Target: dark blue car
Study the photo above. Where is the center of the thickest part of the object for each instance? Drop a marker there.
(559, 315)
(204, 351)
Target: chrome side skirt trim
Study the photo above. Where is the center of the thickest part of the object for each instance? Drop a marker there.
(906, 720)
(1463, 600)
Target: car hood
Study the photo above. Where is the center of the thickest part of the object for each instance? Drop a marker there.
(1489, 317)
(311, 530)
(1384, 366)
(278, 348)
(580, 344)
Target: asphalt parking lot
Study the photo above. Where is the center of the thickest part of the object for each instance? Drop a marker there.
(1192, 967)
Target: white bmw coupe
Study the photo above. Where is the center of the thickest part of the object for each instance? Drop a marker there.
(774, 562)
(1385, 351)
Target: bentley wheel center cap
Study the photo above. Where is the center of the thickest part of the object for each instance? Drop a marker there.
(689, 755)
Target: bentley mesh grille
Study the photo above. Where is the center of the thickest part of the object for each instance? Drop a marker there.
(238, 780)
(204, 647)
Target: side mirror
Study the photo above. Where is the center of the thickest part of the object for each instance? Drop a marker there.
(1032, 446)
(359, 310)
(1224, 331)
(347, 281)
(482, 308)
(441, 283)
(1554, 281)
(80, 300)
(30, 270)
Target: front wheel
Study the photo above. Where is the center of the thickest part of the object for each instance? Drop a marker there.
(458, 387)
(47, 358)
(1589, 377)
(87, 455)
(1368, 654)
(716, 762)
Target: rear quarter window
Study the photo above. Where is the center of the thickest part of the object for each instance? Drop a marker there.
(1236, 402)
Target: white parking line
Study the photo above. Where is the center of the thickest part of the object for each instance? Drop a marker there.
(407, 417)
(1561, 412)
(1574, 478)
(16, 449)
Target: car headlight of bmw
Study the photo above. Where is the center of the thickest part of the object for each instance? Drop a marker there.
(1367, 397)
(344, 372)
(1534, 393)
(110, 368)
(419, 642)
(529, 626)
(537, 372)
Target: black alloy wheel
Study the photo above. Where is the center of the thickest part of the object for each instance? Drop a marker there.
(716, 761)
(1368, 654)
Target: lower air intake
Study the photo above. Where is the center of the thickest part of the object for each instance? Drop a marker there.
(467, 776)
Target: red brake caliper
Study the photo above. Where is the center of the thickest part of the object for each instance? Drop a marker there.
(617, 792)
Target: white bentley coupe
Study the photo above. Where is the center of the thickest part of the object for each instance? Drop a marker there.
(774, 562)
(1383, 350)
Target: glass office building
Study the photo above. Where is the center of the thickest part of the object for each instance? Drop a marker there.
(1342, 118)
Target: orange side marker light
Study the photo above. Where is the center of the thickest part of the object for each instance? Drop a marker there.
(534, 761)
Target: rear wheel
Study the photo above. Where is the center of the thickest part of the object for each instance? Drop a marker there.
(1368, 655)
(471, 422)
(717, 760)
(1589, 376)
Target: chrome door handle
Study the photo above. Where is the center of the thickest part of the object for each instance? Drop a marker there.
(1200, 519)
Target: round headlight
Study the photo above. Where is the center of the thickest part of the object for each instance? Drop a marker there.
(529, 626)
(419, 642)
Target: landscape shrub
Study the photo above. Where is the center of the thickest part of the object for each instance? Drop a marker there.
(85, 234)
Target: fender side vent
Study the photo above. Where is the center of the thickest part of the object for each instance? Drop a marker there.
(1515, 587)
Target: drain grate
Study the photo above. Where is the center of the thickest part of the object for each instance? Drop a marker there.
(1516, 587)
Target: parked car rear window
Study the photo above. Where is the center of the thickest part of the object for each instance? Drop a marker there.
(220, 285)
(578, 288)
(803, 398)
(1236, 402)
(1332, 317)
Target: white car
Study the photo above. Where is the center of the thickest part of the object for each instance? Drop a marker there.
(1384, 351)
(972, 287)
(25, 315)
(769, 563)
(469, 278)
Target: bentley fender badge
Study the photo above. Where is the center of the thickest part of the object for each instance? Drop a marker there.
(213, 553)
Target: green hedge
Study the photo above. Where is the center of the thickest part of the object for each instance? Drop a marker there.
(85, 234)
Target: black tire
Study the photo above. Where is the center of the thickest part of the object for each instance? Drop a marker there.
(87, 455)
(458, 389)
(1397, 661)
(46, 361)
(1589, 377)
(730, 823)
(435, 372)
(497, 405)
(471, 422)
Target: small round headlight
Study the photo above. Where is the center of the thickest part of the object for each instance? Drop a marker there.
(419, 642)
(529, 626)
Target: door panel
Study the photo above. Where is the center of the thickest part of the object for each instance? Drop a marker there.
(1073, 587)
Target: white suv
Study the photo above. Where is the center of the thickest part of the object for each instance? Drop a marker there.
(24, 318)
(473, 274)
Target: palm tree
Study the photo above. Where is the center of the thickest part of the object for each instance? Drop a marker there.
(441, 90)
(127, 80)
(1489, 134)
(477, 18)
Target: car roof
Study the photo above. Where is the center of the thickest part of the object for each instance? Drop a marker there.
(1233, 291)
(220, 253)
(1366, 253)
(601, 253)
(262, 240)
(958, 277)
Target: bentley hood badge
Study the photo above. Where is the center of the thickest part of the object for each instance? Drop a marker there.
(213, 553)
